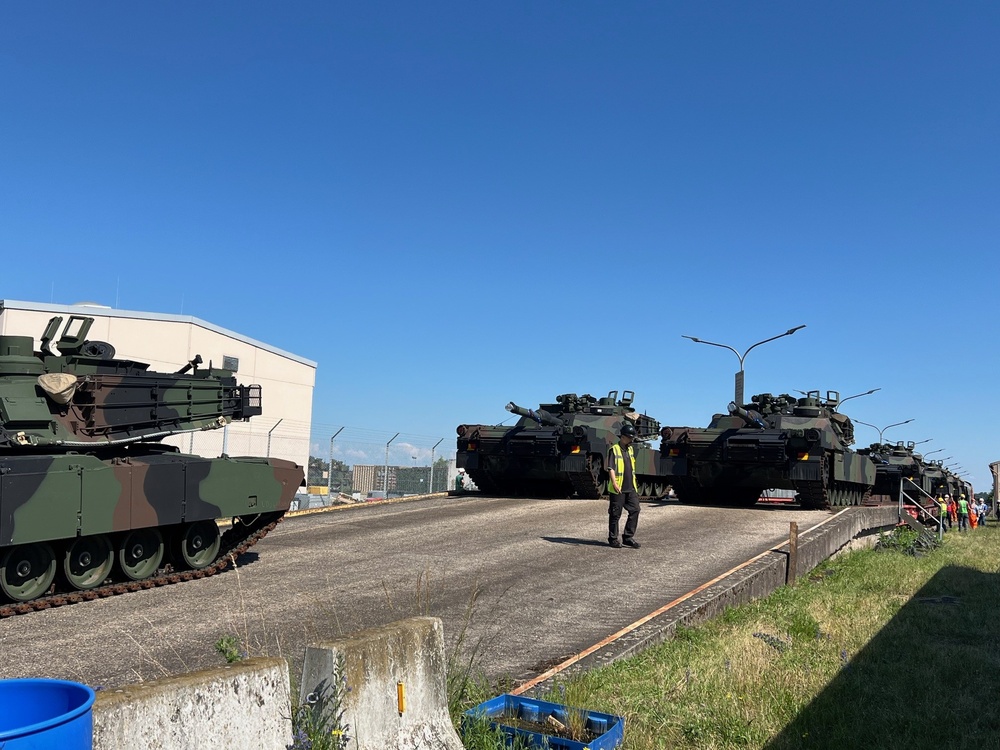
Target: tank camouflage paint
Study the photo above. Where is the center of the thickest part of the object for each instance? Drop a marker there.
(900, 471)
(558, 450)
(89, 494)
(772, 443)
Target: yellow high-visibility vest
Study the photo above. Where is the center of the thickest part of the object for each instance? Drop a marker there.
(616, 452)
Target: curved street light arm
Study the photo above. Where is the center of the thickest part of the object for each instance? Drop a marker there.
(789, 332)
(712, 343)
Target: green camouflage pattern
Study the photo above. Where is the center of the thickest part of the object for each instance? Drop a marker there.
(772, 443)
(83, 471)
(558, 450)
(899, 471)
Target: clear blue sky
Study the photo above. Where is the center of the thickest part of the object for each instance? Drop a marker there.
(451, 205)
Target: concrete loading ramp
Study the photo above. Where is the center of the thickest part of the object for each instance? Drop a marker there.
(397, 673)
(753, 579)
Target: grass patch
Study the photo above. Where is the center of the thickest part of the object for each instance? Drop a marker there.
(870, 650)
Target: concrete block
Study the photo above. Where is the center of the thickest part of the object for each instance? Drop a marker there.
(243, 705)
(375, 661)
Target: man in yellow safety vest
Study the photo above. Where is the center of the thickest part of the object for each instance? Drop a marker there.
(622, 490)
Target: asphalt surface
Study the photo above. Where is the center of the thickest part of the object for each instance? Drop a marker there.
(522, 584)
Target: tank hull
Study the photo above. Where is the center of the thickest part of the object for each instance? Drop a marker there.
(72, 523)
(52, 498)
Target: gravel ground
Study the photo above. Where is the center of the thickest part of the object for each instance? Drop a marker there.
(525, 583)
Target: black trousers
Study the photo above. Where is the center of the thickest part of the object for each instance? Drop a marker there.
(630, 502)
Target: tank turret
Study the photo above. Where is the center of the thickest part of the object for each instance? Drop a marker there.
(84, 396)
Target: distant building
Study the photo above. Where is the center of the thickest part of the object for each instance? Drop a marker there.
(168, 342)
(369, 478)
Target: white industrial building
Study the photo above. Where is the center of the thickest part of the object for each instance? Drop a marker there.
(168, 342)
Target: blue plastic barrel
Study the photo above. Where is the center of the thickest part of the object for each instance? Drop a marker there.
(46, 715)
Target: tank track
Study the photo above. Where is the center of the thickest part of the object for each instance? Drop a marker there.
(585, 485)
(234, 542)
(817, 496)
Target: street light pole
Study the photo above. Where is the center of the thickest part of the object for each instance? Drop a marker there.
(739, 375)
(882, 430)
(856, 395)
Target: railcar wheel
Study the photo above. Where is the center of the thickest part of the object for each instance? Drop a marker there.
(140, 553)
(27, 571)
(199, 544)
(88, 561)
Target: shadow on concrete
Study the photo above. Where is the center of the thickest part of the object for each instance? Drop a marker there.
(929, 679)
(247, 558)
(574, 541)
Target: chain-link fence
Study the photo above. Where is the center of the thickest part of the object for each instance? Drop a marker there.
(343, 464)
(348, 464)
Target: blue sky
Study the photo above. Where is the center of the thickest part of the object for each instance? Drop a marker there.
(451, 205)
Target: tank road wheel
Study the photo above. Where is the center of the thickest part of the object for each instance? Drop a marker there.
(140, 553)
(27, 571)
(198, 544)
(87, 562)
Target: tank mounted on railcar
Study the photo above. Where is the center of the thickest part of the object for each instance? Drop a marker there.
(558, 450)
(775, 442)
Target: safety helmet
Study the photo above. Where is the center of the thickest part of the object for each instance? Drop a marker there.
(627, 430)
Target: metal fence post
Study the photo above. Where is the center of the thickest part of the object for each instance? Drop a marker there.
(385, 470)
(430, 488)
(329, 469)
(268, 454)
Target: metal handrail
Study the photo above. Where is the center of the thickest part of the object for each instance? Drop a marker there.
(922, 509)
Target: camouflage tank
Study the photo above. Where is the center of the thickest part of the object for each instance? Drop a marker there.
(946, 482)
(558, 450)
(898, 468)
(91, 501)
(775, 442)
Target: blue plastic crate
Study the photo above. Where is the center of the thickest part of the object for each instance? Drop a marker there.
(609, 728)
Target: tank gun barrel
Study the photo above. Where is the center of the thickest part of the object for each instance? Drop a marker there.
(752, 418)
(541, 416)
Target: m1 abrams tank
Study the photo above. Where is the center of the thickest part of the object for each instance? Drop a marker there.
(558, 450)
(772, 443)
(91, 502)
(899, 469)
(943, 482)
